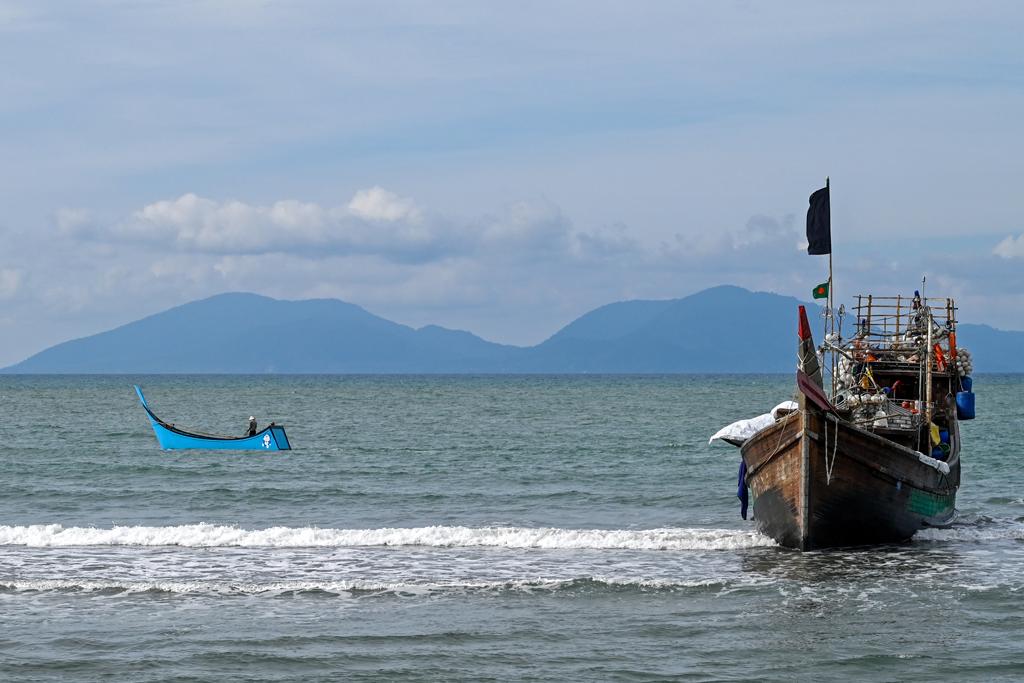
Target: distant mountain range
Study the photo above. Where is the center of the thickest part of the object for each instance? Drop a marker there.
(719, 330)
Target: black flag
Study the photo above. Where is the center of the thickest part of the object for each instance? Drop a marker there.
(819, 223)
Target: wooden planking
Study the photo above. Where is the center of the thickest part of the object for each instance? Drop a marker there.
(877, 493)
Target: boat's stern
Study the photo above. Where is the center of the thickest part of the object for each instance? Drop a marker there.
(280, 438)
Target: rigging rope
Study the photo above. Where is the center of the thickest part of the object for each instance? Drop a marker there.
(830, 466)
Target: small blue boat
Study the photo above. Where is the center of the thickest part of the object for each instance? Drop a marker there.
(270, 438)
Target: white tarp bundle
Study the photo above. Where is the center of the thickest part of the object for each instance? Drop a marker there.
(741, 430)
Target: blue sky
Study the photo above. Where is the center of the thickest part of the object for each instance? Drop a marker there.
(501, 169)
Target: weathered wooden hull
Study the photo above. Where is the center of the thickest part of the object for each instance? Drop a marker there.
(819, 482)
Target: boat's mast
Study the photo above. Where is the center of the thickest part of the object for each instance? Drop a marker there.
(928, 368)
(830, 287)
(834, 364)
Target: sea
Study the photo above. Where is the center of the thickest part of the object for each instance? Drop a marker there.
(470, 528)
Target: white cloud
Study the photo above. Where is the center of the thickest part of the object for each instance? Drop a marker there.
(377, 204)
(1011, 247)
(195, 223)
(375, 222)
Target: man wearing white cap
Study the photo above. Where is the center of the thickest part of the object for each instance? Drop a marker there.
(252, 426)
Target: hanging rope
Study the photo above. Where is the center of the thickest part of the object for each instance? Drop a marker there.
(830, 465)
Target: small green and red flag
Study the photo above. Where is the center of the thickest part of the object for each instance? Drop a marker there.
(821, 291)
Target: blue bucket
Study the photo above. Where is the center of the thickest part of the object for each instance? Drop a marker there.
(966, 383)
(965, 405)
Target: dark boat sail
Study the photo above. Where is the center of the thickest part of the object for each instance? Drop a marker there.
(876, 456)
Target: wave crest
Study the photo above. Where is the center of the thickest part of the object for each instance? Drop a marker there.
(213, 535)
(116, 586)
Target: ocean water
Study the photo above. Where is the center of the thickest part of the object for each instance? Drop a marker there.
(470, 528)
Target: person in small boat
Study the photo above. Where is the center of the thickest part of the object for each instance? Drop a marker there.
(252, 426)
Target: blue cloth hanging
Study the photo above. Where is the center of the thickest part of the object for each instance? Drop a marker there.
(741, 489)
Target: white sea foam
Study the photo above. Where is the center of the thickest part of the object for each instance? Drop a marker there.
(212, 535)
(1014, 532)
(341, 586)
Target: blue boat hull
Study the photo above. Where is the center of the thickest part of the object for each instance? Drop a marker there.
(272, 438)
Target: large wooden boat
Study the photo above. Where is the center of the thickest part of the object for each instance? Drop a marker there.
(877, 457)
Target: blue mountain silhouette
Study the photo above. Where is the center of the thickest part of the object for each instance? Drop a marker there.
(722, 329)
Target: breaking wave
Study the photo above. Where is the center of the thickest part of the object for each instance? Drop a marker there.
(116, 586)
(212, 535)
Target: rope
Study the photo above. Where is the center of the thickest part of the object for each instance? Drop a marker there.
(778, 445)
(830, 466)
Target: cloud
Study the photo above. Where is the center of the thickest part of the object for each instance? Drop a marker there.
(377, 204)
(606, 244)
(10, 282)
(193, 223)
(375, 222)
(74, 222)
(536, 229)
(762, 239)
(761, 230)
(1011, 247)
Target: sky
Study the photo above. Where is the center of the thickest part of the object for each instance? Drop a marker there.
(501, 167)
